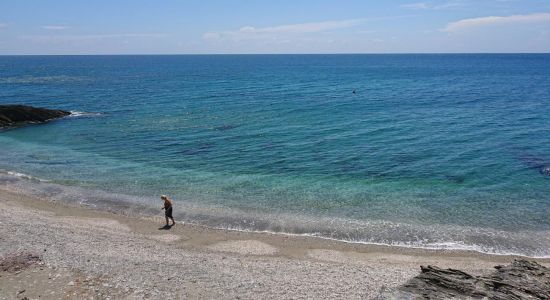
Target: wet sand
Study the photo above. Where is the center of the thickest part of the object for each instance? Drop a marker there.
(89, 253)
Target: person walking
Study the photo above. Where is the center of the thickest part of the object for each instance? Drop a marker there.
(167, 210)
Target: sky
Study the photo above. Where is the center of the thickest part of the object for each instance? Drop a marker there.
(281, 26)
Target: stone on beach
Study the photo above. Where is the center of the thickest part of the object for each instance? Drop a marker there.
(521, 279)
(16, 262)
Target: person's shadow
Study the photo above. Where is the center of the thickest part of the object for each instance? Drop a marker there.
(165, 227)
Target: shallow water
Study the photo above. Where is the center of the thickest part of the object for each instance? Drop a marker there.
(432, 150)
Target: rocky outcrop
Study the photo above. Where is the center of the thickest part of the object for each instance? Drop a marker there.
(15, 262)
(520, 280)
(12, 115)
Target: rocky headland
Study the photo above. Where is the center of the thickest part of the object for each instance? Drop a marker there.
(16, 115)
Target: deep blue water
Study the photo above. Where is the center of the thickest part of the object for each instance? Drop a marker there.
(431, 150)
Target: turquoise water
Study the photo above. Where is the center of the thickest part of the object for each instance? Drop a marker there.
(438, 151)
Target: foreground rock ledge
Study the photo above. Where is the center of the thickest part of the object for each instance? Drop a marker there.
(520, 280)
(13, 115)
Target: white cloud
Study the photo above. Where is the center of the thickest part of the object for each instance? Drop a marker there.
(249, 32)
(448, 5)
(212, 36)
(495, 20)
(89, 37)
(420, 5)
(303, 28)
(54, 27)
(425, 5)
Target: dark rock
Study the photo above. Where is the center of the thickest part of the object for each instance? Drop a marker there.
(455, 179)
(12, 115)
(535, 162)
(16, 262)
(545, 170)
(520, 280)
(225, 127)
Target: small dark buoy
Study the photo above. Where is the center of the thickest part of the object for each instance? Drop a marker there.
(353, 92)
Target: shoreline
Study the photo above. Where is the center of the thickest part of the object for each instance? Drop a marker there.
(122, 204)
(80, 210)
(110, 246)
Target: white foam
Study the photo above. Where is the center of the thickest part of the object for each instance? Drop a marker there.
(75, 114)
(452, 246)
(25, 176)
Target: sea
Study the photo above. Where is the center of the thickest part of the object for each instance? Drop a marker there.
(438, 151)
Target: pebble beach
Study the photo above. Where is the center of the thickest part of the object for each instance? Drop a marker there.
(55, 251)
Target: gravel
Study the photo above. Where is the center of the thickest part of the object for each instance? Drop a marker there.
(92, 256)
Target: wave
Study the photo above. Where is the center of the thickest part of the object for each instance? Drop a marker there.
(23, 176)
(442, 246)
(76, 114)
(514, 244)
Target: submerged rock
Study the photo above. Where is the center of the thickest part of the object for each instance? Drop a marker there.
(520, 280)
(12, 115)
(536, 162)
(545, 170)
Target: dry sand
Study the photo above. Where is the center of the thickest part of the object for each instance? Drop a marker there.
(86, 253)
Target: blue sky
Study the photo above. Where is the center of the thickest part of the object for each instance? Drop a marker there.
(238, 26)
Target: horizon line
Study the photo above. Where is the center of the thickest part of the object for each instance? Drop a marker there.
(220, 54)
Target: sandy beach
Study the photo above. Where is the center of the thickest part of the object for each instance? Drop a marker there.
(85, 253)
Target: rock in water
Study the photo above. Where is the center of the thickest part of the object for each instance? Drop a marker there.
(520, 280)
(11, 115)
(536, 162)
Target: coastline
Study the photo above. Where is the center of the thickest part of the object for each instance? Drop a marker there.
(130, 257)
(339, 230)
